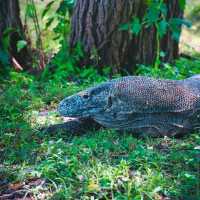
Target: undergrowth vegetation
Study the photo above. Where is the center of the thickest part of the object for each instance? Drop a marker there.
(98, 165)
(102, 164)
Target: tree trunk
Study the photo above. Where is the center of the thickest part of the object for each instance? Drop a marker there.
(95, 24)
(11, 27)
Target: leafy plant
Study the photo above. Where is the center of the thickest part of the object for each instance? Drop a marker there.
(101, 164)
(183, 68)
(61, 16)
(31, 12)
(4, 52)
(156, 16)
(21, 44)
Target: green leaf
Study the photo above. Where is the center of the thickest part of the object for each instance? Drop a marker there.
(175, 26)
(135, 26)
(162, 54)
(152, 14)
(176, 35)
(179, 22)
(162, 28)
(182, 4)
(65, 5)
(163, 9)
(47, 8)
(30, 9)
(6, 38)
(49, 22)
(187, 23)
(21, 44)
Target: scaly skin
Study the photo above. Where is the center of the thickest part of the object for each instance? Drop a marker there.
(140, 104)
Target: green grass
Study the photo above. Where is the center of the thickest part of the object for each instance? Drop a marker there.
(97, 165)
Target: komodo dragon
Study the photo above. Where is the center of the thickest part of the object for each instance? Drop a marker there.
(140, 104)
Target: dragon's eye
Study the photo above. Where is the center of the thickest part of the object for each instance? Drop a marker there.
(85, 96)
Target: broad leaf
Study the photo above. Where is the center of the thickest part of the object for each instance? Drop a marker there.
(162, 28)
(163, 9)
(47, 8)
(175, 26)
(6, 38)
(182, 4)
(30, 10)
(49, 22)
(153, 13)
(179, 22)
(21, 44)
(65, 6)
(176, 35)
(135, 26)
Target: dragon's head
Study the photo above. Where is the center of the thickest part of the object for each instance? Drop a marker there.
(85, 103)
(194, 82)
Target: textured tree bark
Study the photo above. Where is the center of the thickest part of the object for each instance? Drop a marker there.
(10, 19)
(95, 24)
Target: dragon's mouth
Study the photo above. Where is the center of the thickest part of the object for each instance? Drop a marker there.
(69, 112)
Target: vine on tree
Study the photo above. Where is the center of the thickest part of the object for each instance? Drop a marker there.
(156, 16)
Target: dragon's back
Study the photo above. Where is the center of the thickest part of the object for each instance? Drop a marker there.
(147, 95)
(150, 106)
